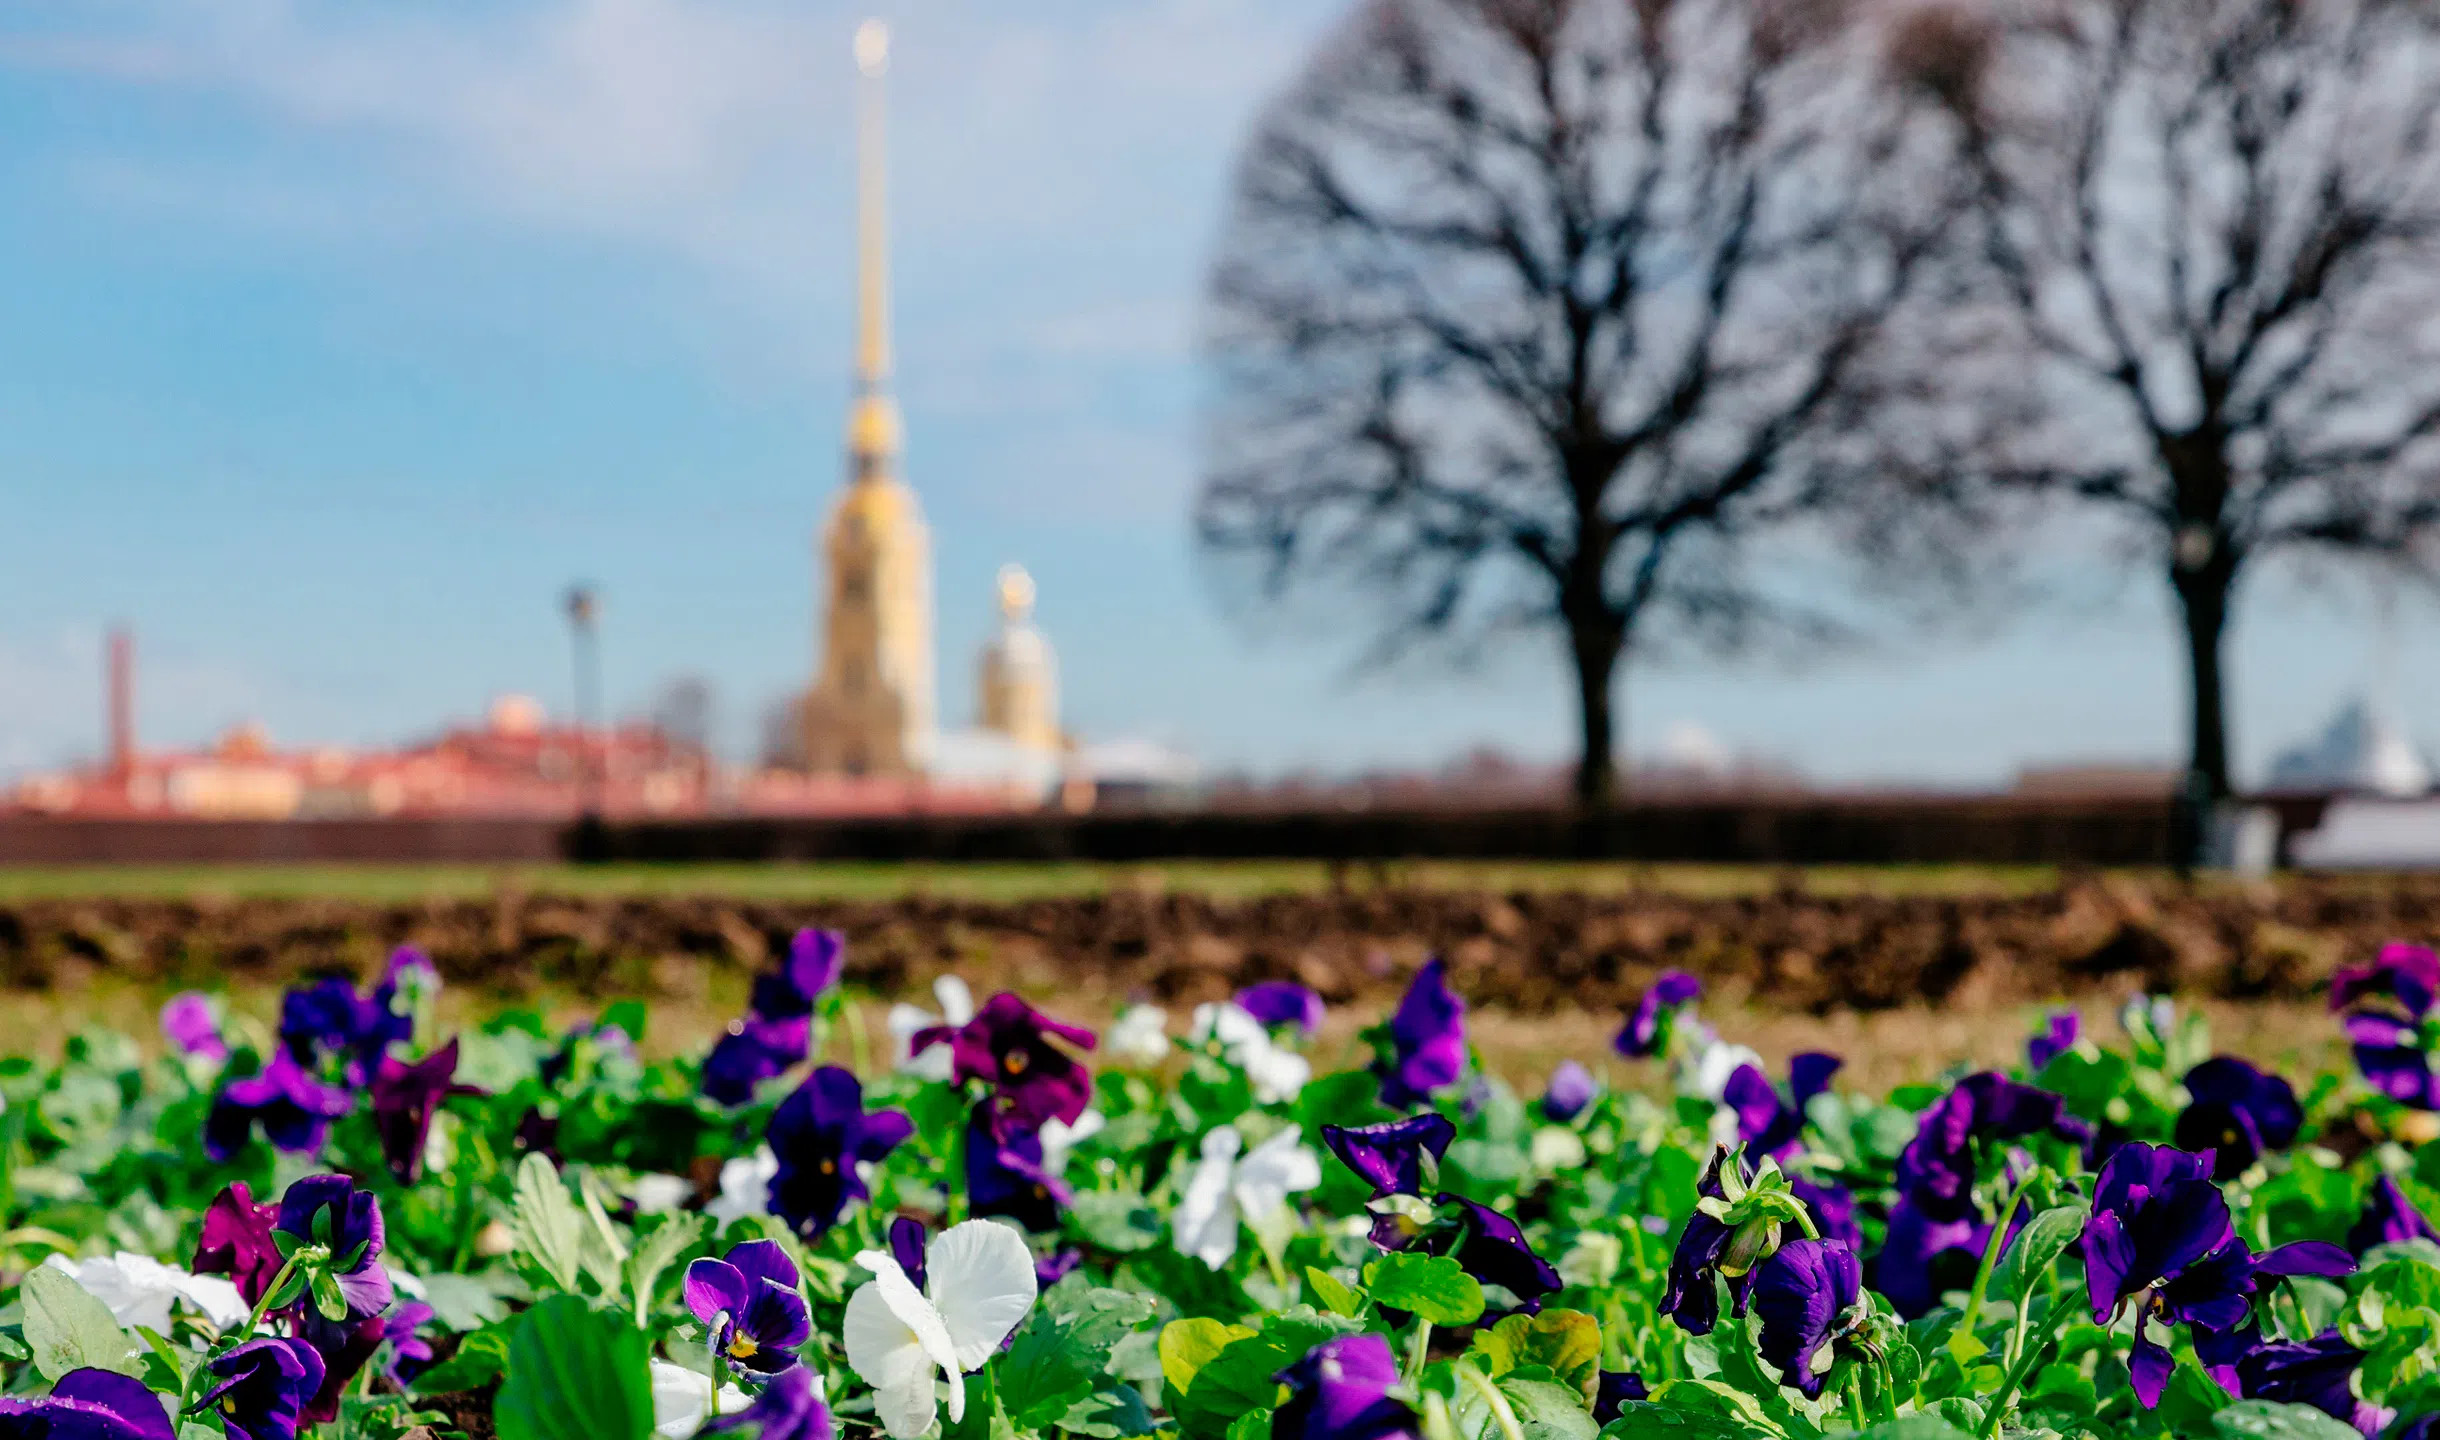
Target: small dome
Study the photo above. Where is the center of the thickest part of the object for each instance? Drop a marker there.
(516, 715)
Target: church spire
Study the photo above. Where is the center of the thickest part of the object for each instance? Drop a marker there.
(873, 426)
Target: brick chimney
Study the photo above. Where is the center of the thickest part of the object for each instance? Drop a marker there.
(122, 704)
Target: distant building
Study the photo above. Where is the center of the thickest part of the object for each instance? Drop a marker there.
(2363, 751)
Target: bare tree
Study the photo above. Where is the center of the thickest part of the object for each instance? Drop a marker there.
(1531, 314)
(2209, 230)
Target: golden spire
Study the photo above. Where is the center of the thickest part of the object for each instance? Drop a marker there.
(873, 424)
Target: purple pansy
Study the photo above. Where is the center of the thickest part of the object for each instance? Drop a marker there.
(237, 1242)
(262, 1388)
(1646, 1028)
(2408, 974)
(1389, 1157)
(2388, 1218)
(818, 1134)
(329, 1017)
(1690, 1298)
(1922, 1258)
(2058, 1035)
(410, 1352)
(749, 1303)
(2160, 1235)
(293, 1108)
(1008, 1045)
(2315, 1372)
(788, 1408)
(2237, 1113)
(1050, 1269)
(753, 1050)
(1937, 1169)
(1805, 1293)
(1427, 1040)
(1571, 1088)
(2389, 1052)
(89, 1404)
(1615, 1389)
(1494, 1251)
(330, 1210)
(405, 1096)
(907, 1246)
(346, 1347)
(188, 1022)
(1340, 1391)
(1768, 1122)
(1833, 1208)
(815, 960)
(1005, 1175)
(1282, 1002)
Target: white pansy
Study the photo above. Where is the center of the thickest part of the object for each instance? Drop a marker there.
(1139, 1037)
(1225, 1191)
(904, 1020)
(1713, 1064)
(1059, 1137)
(745, 1187)
(657, 1194)
(1277, 1073)
(979, 1282)
(682, 1400)
(140, 1290)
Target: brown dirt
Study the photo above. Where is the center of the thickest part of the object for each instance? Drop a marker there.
(1528, 952)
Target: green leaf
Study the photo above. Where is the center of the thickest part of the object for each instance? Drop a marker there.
(548, 1228)
(1334, 1292)
(1714, 1400)
(1239, 1378)
(1547, 1410)
(1058, 1360)
(653, 1253)
(1252, 1425)
(480, 1358)
(67, 1329)
(1113, 1412)
(574, 1373)
(2190, 1400)
(1119, 1221)
(1434, 1287)
(1917, 1427)
(982, 1410)
(1189, 1345)
(2036, 1248)
(1643, 1420)
(2261, 1418)
(1567, 1342)
(462, 1302)
(603, 1251)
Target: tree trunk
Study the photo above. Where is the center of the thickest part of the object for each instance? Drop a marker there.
(2204, 596)
(1594, 647)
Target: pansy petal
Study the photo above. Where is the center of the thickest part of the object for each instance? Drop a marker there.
(982, 1283)
(891, 1358)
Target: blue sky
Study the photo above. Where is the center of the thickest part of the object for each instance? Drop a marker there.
(338, 338)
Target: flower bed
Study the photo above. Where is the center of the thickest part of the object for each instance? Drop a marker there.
(992, 1222)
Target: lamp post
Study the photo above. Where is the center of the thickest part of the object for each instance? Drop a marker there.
(583, 609)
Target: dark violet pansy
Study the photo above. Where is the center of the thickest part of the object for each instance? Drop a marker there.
(2389, 1052)
(1616, 1388)
(1005, 1175)
(263, 1387)
(187, 1022)
(2237, 1113)
(1008, 1045)
(237, 1242)
(330, 1210)
(88, 1404)
(1389, 1157)
(2315, 1372)
(1771, 1123)
(1690, 1298)
(1922, 1259)
(1645, 1030)
(815, 960)
(2058, 1035)
(818, 1134)
(1282, 1002)
(2408, 974)
(293, 1108)
(405, 1096)
(2160, 1236)
(788, 1408)
(1427, 1041)
(1340, 1391)
(1050, 1269)
(1937, 1168)
(329, 1018)
(1494, 1251)
(1571, 1088)
(907, 1246)
(410, 1352)
(1833, 1208)
(753, 1050)
(749, 1303)
(346, 1347)
(2388, 1217)
(1806, 1294)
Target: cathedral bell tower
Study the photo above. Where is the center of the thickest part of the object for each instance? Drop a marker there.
(871, 708)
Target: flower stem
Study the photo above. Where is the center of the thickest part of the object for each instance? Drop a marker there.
(1418, 1350)
(2031, 1355)
(1990, 1260)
